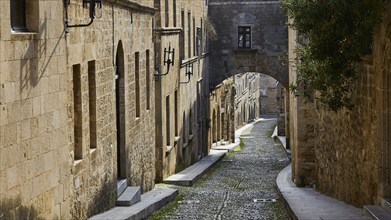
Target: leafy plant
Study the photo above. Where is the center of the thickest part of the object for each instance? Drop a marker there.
(333, 36)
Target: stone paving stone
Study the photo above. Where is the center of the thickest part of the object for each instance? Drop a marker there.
(229, 189)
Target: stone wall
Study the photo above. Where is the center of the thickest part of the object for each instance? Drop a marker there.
(268, 96)
(35, 126)
(351, 145)
(112, 53)
(222, 114)
(350, 148)
(301, 126)
(181, 103)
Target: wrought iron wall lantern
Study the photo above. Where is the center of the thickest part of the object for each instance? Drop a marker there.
(90, 4)
(168, 61)
(189, 71)
(212, 94)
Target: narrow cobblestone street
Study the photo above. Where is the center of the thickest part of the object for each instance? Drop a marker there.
(241, 186)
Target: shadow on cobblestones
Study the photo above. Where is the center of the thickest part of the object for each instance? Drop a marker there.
(242, 186)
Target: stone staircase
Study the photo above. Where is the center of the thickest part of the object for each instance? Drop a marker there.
(127, 195)
(382, 212)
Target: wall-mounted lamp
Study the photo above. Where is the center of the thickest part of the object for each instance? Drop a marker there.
(212, 94)
(189, 71)
(91, 4)
(168, 59)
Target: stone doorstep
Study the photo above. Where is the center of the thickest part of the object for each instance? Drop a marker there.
(121, 187)
(376, 212)
(130, 196)
(190, 175)
(150, 202)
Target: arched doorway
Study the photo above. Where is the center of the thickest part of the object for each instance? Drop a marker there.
(120, 111)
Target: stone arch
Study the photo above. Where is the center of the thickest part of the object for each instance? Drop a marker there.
(120, 110)
(269, 41)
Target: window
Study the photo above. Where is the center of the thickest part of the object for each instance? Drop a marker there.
(168, 121)
(77, 111)
(18, 15)
(201, 37)
(244, 37)
(174, 12)
(92, 102)
(137, 81)
(189, 34)
(166, 17)
(182, 36)
(176, 111)
(190, 122)
(198, 42)
(147, 80)
(194, 38)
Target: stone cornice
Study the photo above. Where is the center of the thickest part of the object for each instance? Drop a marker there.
(135, 6)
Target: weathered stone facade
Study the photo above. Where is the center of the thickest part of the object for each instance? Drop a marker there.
(222, 113)
(60, 104)
(347, 153)
(35, 126)
(268, 95)
(248, 98)
(180, 98)
(251, 37)
(115, 53)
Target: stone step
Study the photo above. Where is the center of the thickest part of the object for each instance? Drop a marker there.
(150, 202)
(386, 205)
(376, 212)
(121, 186)
(130, 196)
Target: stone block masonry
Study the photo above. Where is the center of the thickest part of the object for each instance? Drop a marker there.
(348, 151)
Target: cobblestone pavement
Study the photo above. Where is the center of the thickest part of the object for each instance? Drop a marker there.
(241, 186)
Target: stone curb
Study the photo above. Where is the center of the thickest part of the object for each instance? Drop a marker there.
(307, 204)
(190, 175)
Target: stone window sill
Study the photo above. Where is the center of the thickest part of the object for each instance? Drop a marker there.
(245, 50)
(18, 36)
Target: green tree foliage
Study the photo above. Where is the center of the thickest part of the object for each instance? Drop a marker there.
(336, 33)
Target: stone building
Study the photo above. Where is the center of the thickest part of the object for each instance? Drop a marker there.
(221, 123)
(77, 105)
(35, 126)
(110, 65)
(346, 154)
(181, 86)
(251, 39)
(248, 98)
(268, 95)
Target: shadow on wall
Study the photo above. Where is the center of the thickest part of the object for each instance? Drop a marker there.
(12, 208)
(100, 199)
(36, 62)
(104, 199)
